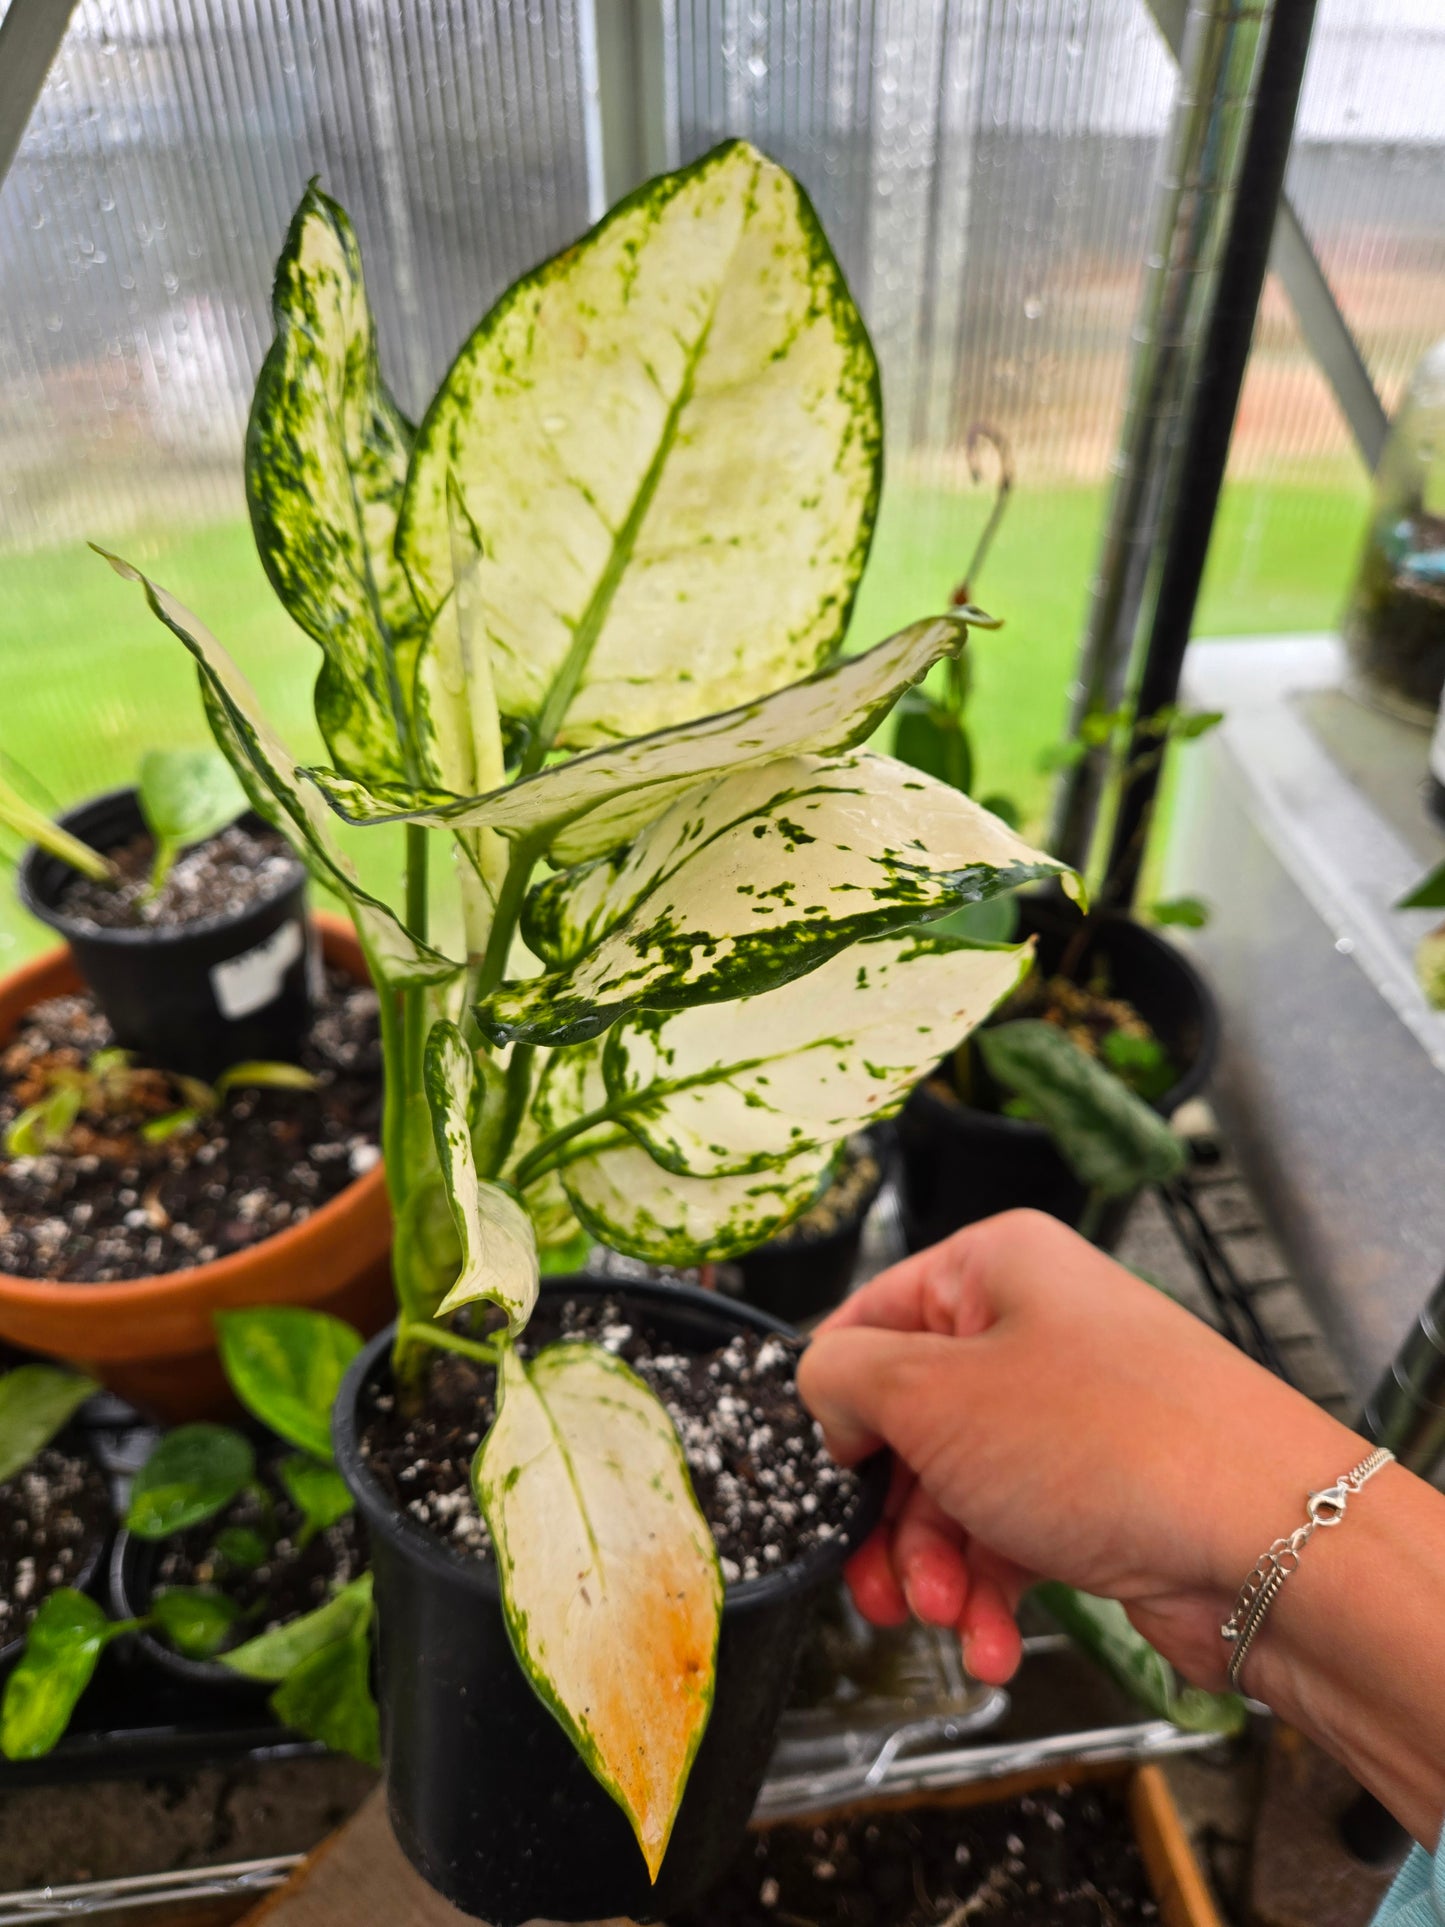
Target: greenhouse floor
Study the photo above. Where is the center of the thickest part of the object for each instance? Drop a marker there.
(213, 1820)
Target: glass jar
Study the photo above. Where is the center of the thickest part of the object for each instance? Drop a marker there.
(1395, 621)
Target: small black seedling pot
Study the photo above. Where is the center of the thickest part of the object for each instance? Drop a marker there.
(487, 1796)
(194, 999)
(132, 1584)
(75, 1441)
(800, 1278)
(957, 1164)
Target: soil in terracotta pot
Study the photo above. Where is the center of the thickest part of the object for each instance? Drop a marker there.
(1062, 1858)
(289, 1580)
(109, 1205)
(230, 872)
(1102, 1026)
(840, 1203)
(761, 1472)
(53, 1516)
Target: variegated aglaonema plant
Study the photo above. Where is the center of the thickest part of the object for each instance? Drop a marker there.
(584, 624)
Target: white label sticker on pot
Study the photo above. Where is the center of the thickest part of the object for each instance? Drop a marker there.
(249, 982)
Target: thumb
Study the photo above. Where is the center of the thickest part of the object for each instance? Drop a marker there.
(869, 1387)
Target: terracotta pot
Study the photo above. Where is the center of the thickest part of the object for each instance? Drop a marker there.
(151, 1339)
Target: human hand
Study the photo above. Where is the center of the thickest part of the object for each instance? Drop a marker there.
(1055, 1417)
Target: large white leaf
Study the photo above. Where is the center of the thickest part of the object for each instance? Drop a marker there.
(668, 441)
(716, 1124)
(269, 775)
(737, 1086)
(590, 804)
(750, 882)
(498, 1245)
(326, 460)
(609, 1575)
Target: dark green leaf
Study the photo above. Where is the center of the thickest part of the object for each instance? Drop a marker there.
(1143, 1063)
(1003, 807)
(286, 1364)
(242, 1547)
(187, 795)
(68, 1636)
(272, 1655)
(191, 1475)
(328, 1698)
(194, 1620)
(1110, 1137)
(1103, 1629)
(931, 738)
(318, 1493)
(35, 1401)
(1191, 912)
(1428, 893)
(1198, 722)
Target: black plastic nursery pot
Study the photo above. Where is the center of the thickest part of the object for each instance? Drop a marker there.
(487, 1796)
(132, 1583)
(799, 1278)
(957, 1165)
(83, 1578)
(194, 999)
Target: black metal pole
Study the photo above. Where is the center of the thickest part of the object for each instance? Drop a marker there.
(1210, 424)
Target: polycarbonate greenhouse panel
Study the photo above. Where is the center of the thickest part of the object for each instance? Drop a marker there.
(152, 189)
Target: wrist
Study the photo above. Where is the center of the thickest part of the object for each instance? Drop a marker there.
(1351, 1652)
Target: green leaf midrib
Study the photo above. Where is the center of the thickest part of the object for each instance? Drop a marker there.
(589, 627)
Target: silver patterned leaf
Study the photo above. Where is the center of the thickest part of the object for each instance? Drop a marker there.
(752, 881)
(590, 804)
(327, 451)
(668, 441)
(609, 1574)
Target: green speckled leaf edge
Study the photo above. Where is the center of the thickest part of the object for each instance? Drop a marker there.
(270, 777)
(327, 452)
(591, 803)
(494, 1479)
(421, 532)
(749, 882)
(499, 1246)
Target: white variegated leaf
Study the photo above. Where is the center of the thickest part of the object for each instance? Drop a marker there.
(327, 451)
(628, 1201)
(498, 1245)
(270, 776)
(750, 882)
(590, 804)
(716, 1125)
(735, 1087)
(609, 1574)
(668, 440)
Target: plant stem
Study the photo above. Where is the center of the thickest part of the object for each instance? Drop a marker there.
(519, 1089)
(542, 1159)
(510, 897)
(413, 1332)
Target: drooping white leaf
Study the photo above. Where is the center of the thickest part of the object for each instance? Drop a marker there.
(668, 440)
(326, 459)
(498, 1245)
(269, 775)
(721, 1120)
(590, 804)
(749, 882)
(609, 1575)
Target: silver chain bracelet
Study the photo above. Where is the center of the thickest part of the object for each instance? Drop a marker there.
(1260, 1590)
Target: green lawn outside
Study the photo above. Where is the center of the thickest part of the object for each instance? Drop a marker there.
(88, 678)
